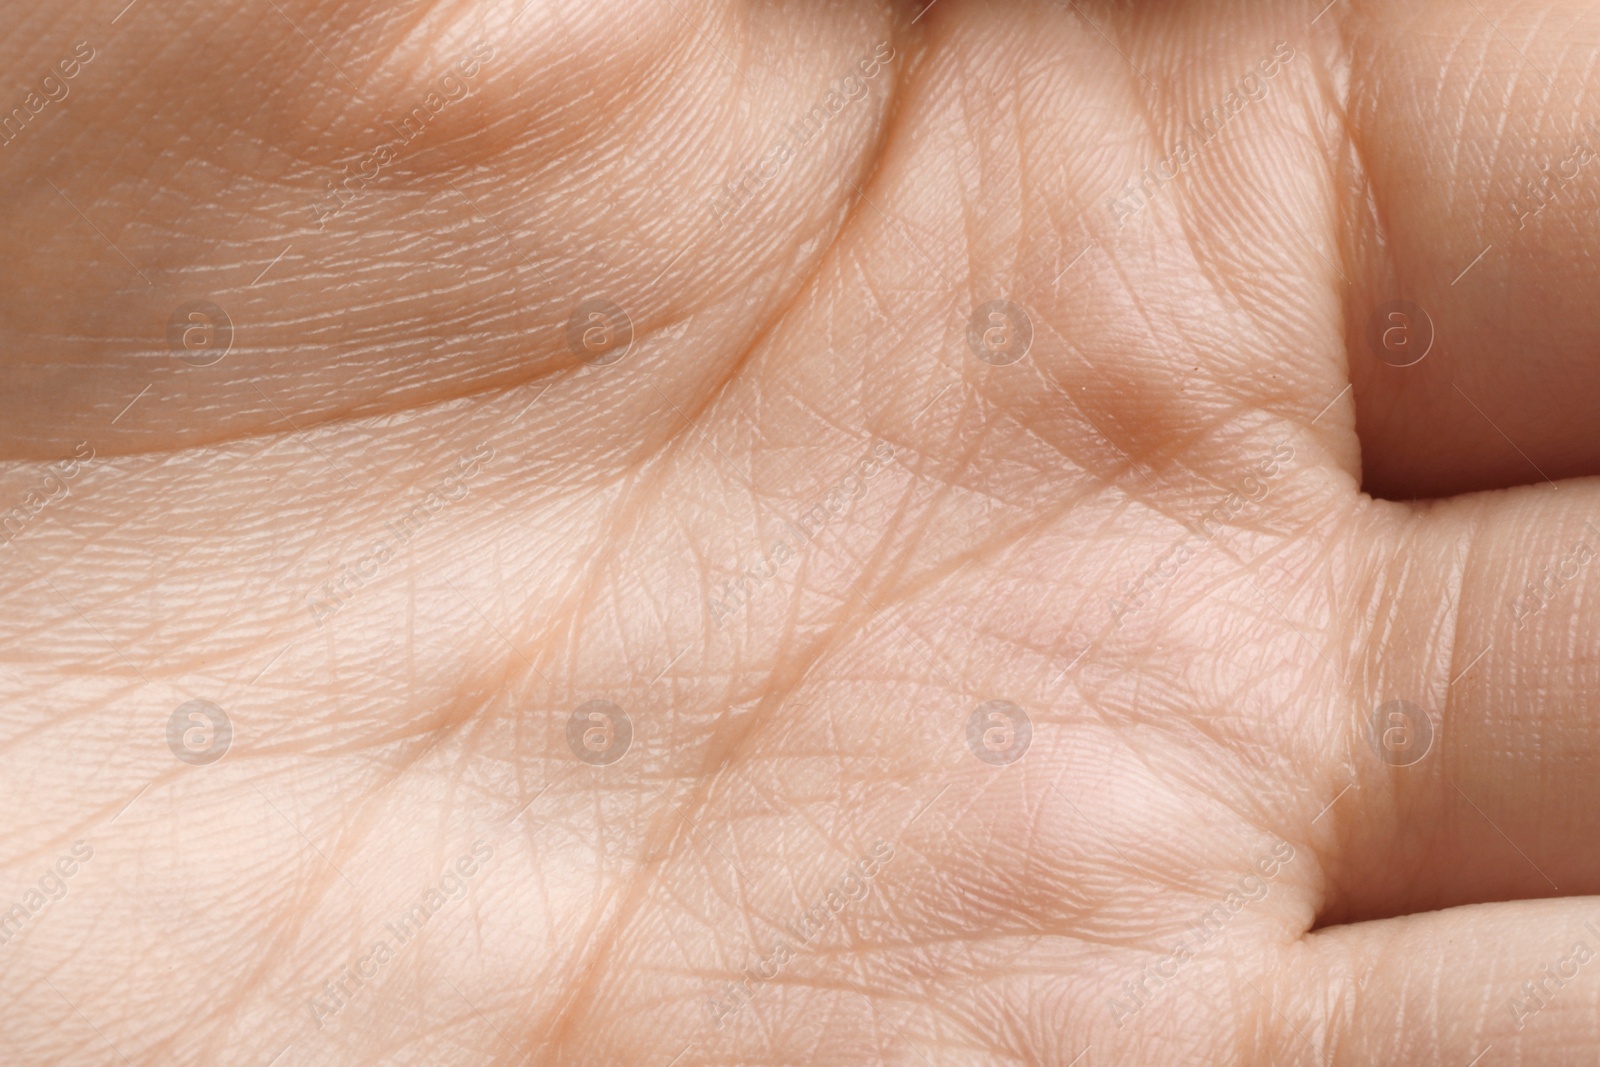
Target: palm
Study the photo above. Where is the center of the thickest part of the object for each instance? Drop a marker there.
(798, 533)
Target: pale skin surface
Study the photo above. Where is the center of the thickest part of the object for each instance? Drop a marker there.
(1188, 371)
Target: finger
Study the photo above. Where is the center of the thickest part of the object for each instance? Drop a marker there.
(1483, 635)
(1470, 987)
(1473, 175)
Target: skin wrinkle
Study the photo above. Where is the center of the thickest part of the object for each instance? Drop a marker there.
(1052, 223)
(1495, 157)
(1155, 458)
(971, 137)
(412, 35)
(635, 891)
(644, 480)
(1454, 595)
(948, 569)
(1341, 264)
(1094, 479)
(1196, 247)
(1131, 291)
(1448, 61)
(715, 395)
(866, 176)
(1134, 79)
(956, 490)
(1209, 267)
(364, 407)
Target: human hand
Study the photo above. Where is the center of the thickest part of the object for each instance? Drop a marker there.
(705, 571)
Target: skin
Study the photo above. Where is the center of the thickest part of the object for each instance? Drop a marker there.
(1201, 534)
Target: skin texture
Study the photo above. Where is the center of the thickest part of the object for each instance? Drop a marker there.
(1201, 534)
